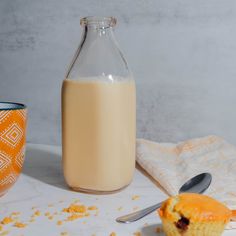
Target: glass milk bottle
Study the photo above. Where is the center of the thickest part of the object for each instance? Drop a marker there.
(98, 113)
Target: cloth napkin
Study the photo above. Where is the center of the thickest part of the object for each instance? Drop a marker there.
(171, 165)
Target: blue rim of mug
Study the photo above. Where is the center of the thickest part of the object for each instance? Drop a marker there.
(11, 106)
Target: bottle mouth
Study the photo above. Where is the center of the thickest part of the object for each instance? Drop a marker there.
(98, 21)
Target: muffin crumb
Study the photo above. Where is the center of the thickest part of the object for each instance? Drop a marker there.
(19, 225)
(6, 220)
(59, 222)
(47, 213)
(64, 234)
(73, 208)
(86, 214)
(112, 234)
(92, 208)
(135, 197)
(73, 217)
(15, 213)
(137, 234)
(37, 213)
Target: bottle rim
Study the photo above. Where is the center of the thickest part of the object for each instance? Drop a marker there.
(101, 21)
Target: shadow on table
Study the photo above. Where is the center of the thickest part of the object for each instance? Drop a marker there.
(44, 165)
(151, 230)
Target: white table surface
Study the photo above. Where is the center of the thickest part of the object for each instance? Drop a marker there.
(42, 186)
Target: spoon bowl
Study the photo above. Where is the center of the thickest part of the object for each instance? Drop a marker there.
(197, 184)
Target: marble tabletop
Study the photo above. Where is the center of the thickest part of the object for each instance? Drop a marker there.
(41, 194)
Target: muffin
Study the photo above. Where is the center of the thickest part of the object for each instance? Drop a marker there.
(191, 214)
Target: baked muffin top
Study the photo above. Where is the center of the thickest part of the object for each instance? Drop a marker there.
(195, 208)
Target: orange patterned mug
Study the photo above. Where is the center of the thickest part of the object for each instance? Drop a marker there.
(12, 143)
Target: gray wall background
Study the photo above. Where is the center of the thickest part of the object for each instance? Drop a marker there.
(182, 54)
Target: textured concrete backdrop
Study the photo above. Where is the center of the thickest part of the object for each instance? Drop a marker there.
(182, 54)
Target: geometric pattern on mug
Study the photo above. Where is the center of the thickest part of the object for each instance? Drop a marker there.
(22, 113)
(20, 157)
(12, 146)
(4, 115)
(9, 179)
(5, 161)
(12, 135)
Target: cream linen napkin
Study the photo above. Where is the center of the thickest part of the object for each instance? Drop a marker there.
(171, 165)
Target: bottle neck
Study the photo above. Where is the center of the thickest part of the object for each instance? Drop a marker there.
(98, 53)
(92, 32)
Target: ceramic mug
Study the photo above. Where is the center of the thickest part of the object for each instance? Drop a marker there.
(12, 143)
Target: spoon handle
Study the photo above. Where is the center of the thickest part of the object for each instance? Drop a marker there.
(138, 214)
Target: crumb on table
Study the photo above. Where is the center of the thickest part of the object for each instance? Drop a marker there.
(73, 208)
(159, 230)
(75, 211)
(73, 217)
(6, 220)
(64, 234)
(19, 225)
(86, 214)
(59, 222)
(112, 234)
(135, 197)
(137, 234)
(92, 208)
(37, 213)
(15, 213)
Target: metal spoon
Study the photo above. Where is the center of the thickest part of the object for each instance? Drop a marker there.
(197, 184)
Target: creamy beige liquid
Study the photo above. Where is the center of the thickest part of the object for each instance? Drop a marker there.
(99, 129)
